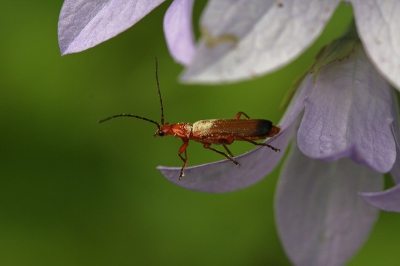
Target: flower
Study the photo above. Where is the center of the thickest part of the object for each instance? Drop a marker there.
(347, 137)
(344, 144)
(247, 22)
(86, 23)
(345, 140)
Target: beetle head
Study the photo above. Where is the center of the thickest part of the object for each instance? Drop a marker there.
(164, 130)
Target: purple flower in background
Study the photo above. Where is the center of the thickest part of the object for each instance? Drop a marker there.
(343, 120)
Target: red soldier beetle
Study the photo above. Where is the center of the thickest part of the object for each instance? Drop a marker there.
(213, 131)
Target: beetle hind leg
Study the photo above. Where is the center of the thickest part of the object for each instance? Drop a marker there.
(207, 146)
(269, 146)
(262, 144)
(238, 115)
(228, 151)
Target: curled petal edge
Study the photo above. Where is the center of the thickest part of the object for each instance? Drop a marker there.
(388, 200)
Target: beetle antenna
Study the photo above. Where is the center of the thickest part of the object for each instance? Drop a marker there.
(130, 115)
(159, 94)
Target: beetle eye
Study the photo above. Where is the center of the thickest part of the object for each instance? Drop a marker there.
(161, 133)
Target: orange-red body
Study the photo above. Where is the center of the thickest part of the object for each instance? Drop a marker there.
(222, 131)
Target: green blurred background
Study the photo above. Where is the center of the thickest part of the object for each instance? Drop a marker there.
(73, 192)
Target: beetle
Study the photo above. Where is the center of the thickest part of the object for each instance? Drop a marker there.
(212, 131)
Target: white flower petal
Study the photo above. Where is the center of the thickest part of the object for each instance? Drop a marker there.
(252, 37)
(378, 27)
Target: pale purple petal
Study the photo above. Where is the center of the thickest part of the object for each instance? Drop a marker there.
(320, 217)
(388, 200)
(224, 176)
(378, 27)
(86, 23)
(253, 37)
(349, 114)
(179, 32)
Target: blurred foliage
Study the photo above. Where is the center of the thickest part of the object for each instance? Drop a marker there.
(73, 192)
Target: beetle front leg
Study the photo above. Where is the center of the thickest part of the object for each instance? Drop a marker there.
(207, 146)
(238, 115)
(181, 150)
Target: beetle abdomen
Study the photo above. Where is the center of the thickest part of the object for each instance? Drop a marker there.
(216, 129)
(263, 127)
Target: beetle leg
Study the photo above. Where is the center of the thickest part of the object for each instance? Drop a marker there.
(228, 151)
(238, 115)
(261, 144)
(181, 150)
(207, 146)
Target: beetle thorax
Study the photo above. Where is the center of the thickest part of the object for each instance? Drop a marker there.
(181, 130)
